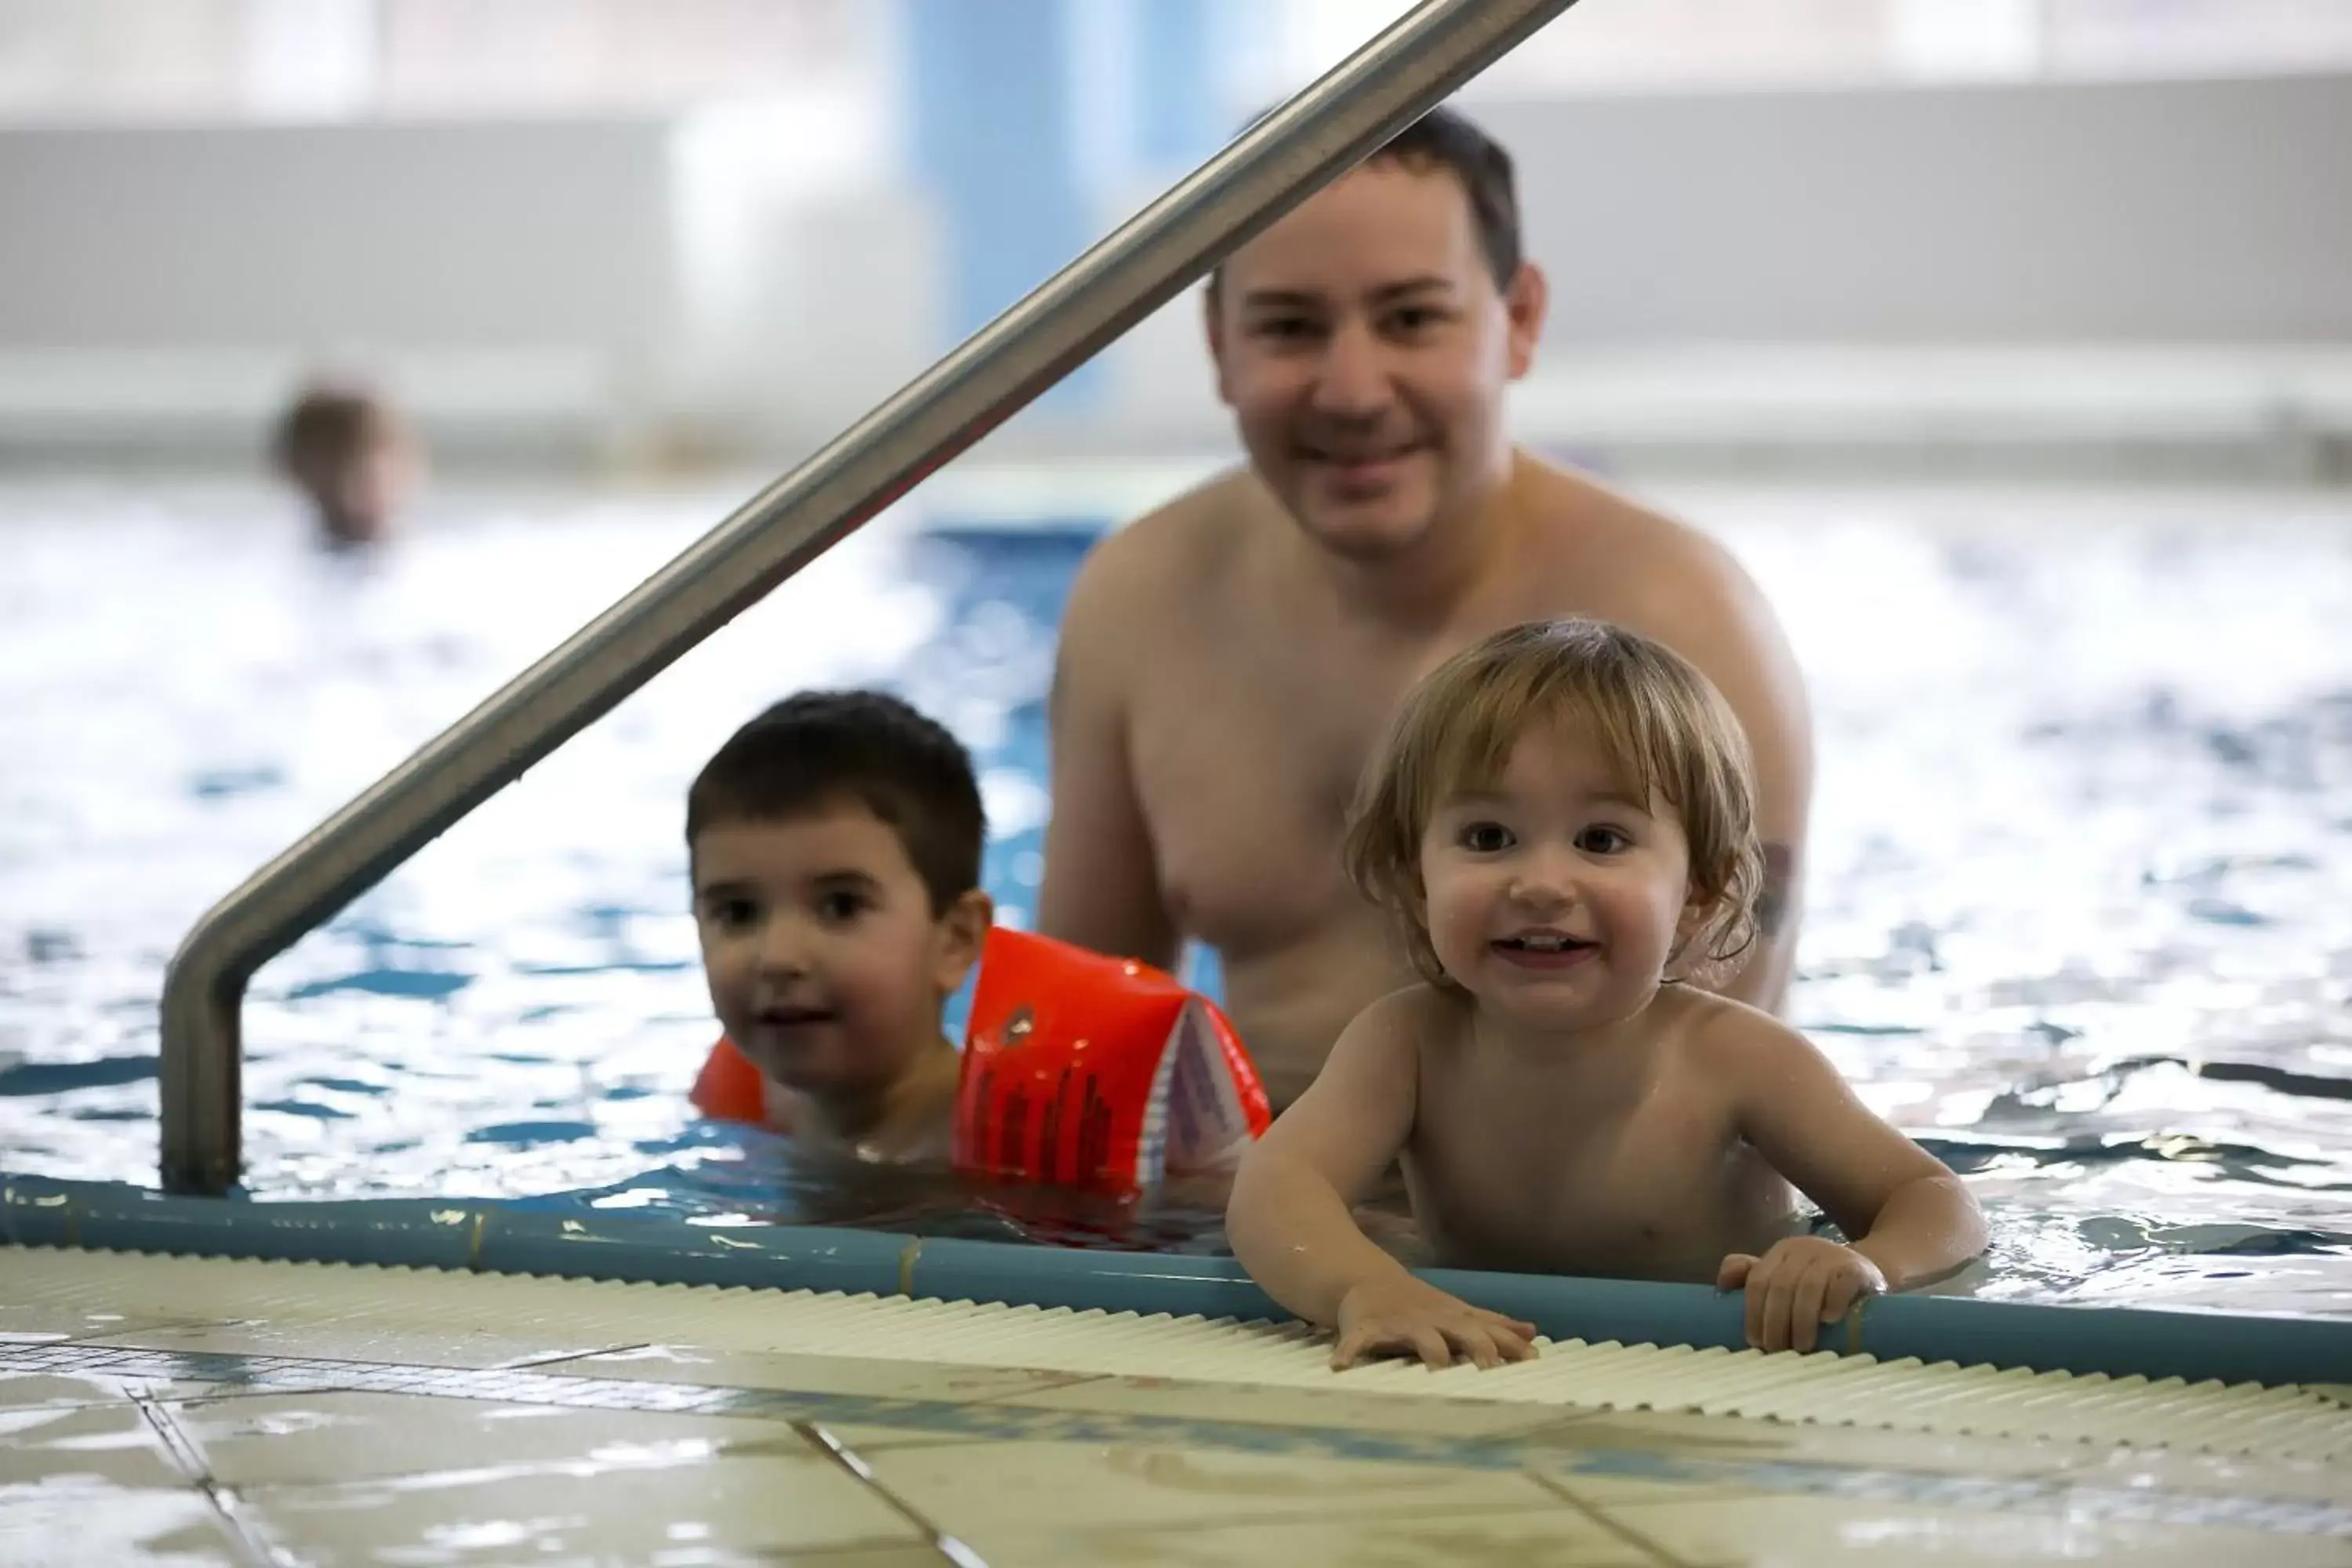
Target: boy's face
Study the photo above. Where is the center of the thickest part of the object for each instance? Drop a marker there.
(825, 964)
(1552, 896)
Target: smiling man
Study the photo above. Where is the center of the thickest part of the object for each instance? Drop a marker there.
(1228, 663)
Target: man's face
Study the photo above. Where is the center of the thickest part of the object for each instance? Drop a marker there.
(1364, 349)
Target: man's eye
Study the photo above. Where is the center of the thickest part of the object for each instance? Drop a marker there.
(1415, 319)
(1486, 837)
(1603, 841)
(1288, 327)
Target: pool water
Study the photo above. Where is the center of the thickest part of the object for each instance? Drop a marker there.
(2084, 801)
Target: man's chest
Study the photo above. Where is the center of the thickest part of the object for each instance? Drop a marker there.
(1245, 767)
(1245, 783)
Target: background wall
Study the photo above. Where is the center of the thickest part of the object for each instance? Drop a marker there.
(2157, 265)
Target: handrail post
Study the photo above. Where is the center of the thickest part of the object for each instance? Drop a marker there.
(1303, 145)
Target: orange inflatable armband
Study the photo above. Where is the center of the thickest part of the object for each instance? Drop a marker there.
(1081, 1070)
(728, 1087)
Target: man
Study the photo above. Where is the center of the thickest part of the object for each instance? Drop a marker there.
(1228, 662)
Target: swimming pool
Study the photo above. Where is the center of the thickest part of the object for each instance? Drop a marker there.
(2085, 791)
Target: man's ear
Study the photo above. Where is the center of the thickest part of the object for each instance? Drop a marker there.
(1213, 324)
(1525, 304)
(962, 932)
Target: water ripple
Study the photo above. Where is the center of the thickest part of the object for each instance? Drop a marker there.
(2084, 789)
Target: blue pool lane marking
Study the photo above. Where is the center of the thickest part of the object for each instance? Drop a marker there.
(1012, 1422)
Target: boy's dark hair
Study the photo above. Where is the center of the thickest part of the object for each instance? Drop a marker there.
(818, 747)
(1447, 139)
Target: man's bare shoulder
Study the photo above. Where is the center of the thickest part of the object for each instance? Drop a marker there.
(1608, 555)
(1578, 522)
(1134, 577)
(1173, 545)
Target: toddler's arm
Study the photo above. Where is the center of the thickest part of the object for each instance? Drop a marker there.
(1912, 1220)
(1289, 1221)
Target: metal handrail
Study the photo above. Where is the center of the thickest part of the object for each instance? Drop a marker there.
(1303, 145)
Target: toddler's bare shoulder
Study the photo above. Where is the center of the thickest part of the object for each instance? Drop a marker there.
(1415, 1017)
(1729, 1037)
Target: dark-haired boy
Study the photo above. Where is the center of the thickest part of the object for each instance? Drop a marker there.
(834, 843)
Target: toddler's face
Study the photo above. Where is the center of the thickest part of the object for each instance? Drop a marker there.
(1553, 896)
(825, 964)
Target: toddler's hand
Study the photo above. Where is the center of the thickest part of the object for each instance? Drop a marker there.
(1408, 1317)
(1801, 1283)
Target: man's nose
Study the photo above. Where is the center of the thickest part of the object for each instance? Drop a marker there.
(1353, 377)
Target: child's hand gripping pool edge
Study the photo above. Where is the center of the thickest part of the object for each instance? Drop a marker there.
(1399, 1314)
(1803, 1283)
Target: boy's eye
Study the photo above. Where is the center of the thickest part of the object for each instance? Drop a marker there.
(1603, 841)
(733, 914)
(1485, 838)
(840, 906)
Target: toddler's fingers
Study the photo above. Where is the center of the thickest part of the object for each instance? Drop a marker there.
(1476, 1347)
(1734, 1272)
(1806, 1304)
(1497, 1324)
(1432, 1346)
(1349, 1350)
(1780, 1307)
(1845, 1290)
(1513, 1344)
(1760, 1290)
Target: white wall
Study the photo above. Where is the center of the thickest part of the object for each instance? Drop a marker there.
(2162, 259)
(2154, 257)
(529, 265)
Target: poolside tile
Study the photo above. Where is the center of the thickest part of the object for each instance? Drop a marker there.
(64, 1521)
(1545, 1537)
(1820, 1532)
(44, 1322)
(2311, 1481)
(863, 1440)
(1628, 1454)
(975, 1491)
(58, 1390)
(1254, 1404)
(798, 1373)
(445, 1347)
(896, 1555)
(297, 1438)
(113, 1446)
(695, 1508)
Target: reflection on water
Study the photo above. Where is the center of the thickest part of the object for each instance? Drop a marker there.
(2085, 788)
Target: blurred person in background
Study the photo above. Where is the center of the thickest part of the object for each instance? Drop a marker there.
(352, 456)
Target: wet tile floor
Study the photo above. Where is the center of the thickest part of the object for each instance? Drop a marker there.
(162, 1439)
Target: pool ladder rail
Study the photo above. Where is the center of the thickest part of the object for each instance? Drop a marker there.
(1284, 157)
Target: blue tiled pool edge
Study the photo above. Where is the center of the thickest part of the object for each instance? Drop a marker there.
(492, 1237)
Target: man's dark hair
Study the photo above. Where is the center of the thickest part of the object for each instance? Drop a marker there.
(817, 748)
(1446, 139)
